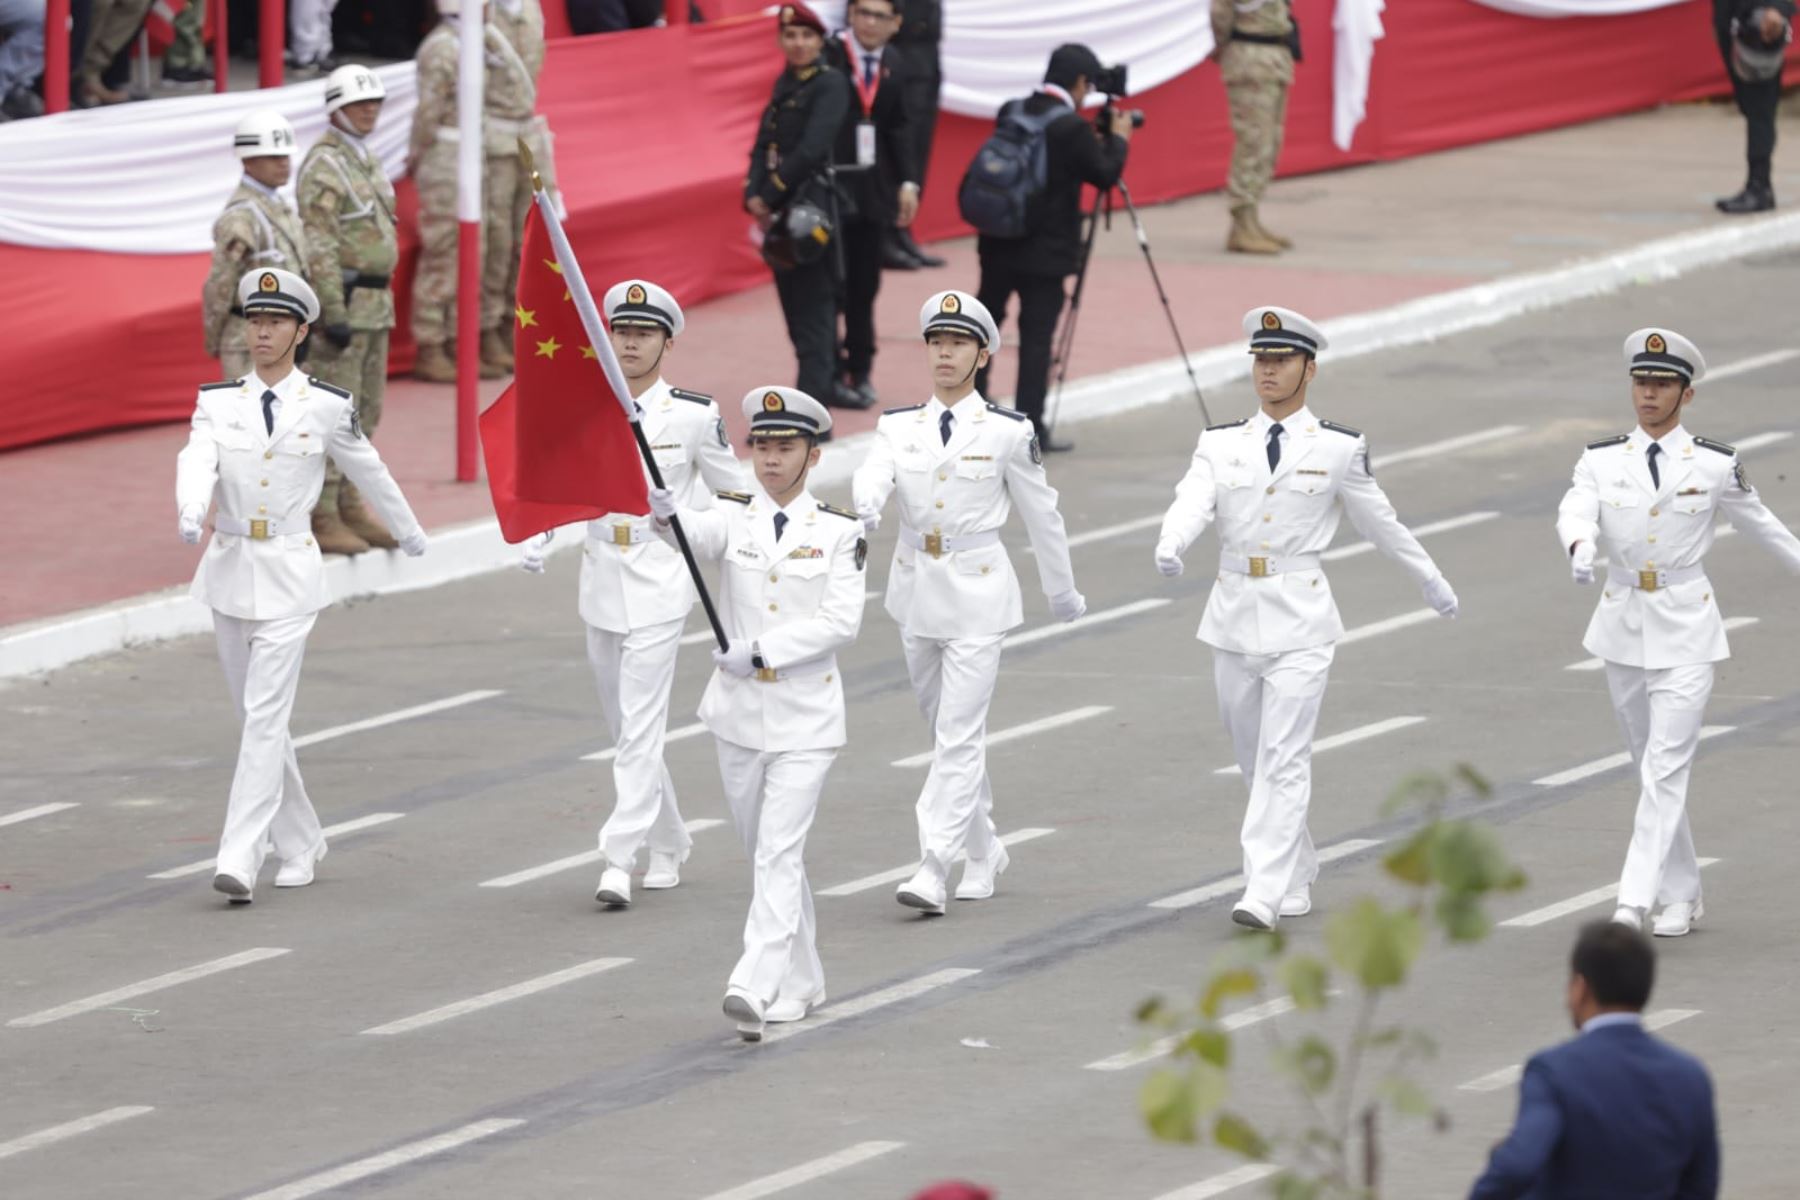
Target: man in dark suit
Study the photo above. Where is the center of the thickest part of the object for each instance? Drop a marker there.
(1036, 265)
(919, 44)
(1765, 21)
(880, 179)
(1614, 1114)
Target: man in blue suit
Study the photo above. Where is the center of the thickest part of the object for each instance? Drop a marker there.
(1614, 1114)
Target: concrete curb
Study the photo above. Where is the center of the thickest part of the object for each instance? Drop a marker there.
(476, 548)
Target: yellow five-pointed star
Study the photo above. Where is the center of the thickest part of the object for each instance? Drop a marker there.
(590, 352)
(553, 265)
(548, 349)
(527, 318)
(566, 295)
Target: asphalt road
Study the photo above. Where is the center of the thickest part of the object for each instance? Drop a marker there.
(287, 1060)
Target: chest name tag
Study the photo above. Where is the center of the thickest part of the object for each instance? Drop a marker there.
(807, 552)
(1308, 471)
(978, 458)
(1691, 492)
(749, 552)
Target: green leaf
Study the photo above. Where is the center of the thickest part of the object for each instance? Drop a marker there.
(1422, 790)
(1376, 946)
(1306, 979)
(1151, 1010)
(1288, 1186)
(1407, 1097)
(1232, 1132)
(1462, 916)
(1474, 780)
(1208, 1045)
(1225, 984)
(1411, 863)
(1168, 1107)
(1467, 857)
(1313, 1062)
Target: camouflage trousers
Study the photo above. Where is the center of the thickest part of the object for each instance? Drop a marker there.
(234, 349)
(506, 194)
(360, 369)
(188, 50)
(1258, 113)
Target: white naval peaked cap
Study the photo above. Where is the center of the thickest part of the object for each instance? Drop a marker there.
(1274, 330)
(960, 312)
(773, 411)
(352, 84)
(640, 302)
(1663, 354)
(265, 133)
(273, 290)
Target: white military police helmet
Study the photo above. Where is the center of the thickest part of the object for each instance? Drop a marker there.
(1663, 354)
(265, 134)
(352, 84)
(1274, 330)
(272, 290)
(640, 302)
(959, 312)
(778, 411)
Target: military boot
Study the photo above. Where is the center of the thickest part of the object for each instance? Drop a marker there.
(497, 347)
(1256, 219)
(329, 530)
(434, 364)
(1245, 237)
(360, 521)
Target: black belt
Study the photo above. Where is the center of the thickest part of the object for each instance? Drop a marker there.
(353, 280)
(1261, 39)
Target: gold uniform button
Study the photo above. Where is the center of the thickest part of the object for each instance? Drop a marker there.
(772, 608)
(265, 483)
(942, 475)
(1653, 537)
(268, 454)
(774, 579)
(1267, 517)
(1271, 492)
(309, 541)
(1656, 512)
(985, 570)
(828, 679)
(940, 504)
(262, 508)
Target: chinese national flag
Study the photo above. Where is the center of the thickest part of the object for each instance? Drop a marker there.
(557, 443)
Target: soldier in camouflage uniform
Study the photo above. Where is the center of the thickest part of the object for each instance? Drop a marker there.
(1253, 38)
(347, 205)
(509, 96)
(257, 229)
(522, 24)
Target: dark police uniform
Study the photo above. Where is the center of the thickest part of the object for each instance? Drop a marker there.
(1757, 101)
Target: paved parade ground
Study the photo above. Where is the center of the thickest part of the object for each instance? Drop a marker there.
(447, 1012)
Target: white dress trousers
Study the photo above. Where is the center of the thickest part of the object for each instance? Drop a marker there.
(633, 673)
(953, 680)
(309, 29)
(1660, 712)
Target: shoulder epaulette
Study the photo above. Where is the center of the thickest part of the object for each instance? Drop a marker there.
(223, 383)
(1602, 443)
(1228, 424)
(695, 397)
(740, 497)
(903, 408)
(835, 511)
(1715, 447)
(333, 388)
(1014, 413)
(1343, 429)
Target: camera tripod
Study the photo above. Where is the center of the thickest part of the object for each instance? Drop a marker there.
(1103, 205)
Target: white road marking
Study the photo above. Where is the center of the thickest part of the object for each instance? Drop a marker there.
(674, 735)
(1447, 446)
(404, 714)
(1597, 664)
(900, 873)
(1612, 761)
(1505, 1077)
(1161, 1046)
(362, 1168)
(587, 859)
(118, 995)
(1226, 887)
(1376, 628)
(1014, 641)
(1002, 736)
(1574, 904)
(1218, 1185)
(1759, 440)
(530, 987)
(1361, 733)
(806, 1172)
(69, 1129)
(330, 831)
(1339, 553)
(42, 810)
(843, 1011)
(1745, 365)
(1104, 532)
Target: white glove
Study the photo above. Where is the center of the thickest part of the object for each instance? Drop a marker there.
(1168, 559)
(1440, 596)
(189, 524)
(414, 543)
(532, 559)
(1066, 606)
(871, 519)
(1581, 562)
(662, 504)
(735, 661)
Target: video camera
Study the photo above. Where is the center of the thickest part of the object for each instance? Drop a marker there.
(1111, 83)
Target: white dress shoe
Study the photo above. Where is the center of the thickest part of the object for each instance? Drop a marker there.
(1676, 920)
(1252, 914)
(235, 890)
(1627, 915)
(664, 872)
(924, 891)
(744, 1008)
(979, 874)
(1297, 904)
(785, 1010)
(298, 872)
(615, 888)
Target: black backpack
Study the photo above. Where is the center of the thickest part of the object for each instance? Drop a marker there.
(1007, 172)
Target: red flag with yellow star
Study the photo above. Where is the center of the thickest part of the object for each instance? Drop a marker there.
(557, 442)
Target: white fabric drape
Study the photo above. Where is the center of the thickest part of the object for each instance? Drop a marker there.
(1577, 8)
(1356, 25)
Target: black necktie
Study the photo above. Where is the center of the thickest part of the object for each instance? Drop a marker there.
(269, 398)
(944, 423)
(1274, 444)
(1650, 457)
(868, 69)
(780, 524)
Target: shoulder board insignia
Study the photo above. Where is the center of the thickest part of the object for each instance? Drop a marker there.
(695, 397)
(903, 408)
(740, 497)
(1014, 413)
(835, 511)
(1715, 447)
(1228, 424)
(1343, 429)
(333, 388)
(1602, 443)
(224, 383)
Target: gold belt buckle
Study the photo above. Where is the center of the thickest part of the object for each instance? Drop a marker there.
(765, 674)
(934, 544)
(1259, 568)
(621, 535)
(1647, 580)
(259, 530)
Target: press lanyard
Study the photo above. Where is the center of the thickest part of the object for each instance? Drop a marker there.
(864, 90)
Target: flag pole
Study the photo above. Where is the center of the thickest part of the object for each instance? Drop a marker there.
(615, 376)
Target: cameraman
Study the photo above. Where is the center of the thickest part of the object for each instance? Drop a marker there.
(1036, 265)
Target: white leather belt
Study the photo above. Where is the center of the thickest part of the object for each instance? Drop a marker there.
(939, 544)
(815, 666)
(517, 126)
(623, 533)
(261, 529)
(1653, 581)
(1260, 567)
